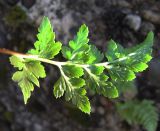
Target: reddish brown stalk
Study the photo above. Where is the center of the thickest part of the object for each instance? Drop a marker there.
(10, 52)
(28, 56)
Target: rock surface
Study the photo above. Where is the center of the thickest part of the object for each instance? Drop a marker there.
(28, 3)
(106, 19)
(11, 2)
(133, 21)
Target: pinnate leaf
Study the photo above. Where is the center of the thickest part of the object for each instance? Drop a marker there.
(139, 112)
(28, 74)
(78, 47)
(45, 46)
(126, 62)
(80, 39)
(85, 67)
(71, 85)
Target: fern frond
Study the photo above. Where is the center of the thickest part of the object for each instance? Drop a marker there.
(104, 71)
(139, 112)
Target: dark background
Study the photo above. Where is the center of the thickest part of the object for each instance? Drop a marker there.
(125, 21)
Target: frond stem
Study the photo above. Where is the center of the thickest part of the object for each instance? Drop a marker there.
(56, 63)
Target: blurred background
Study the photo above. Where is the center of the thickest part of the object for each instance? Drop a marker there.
(125, 21)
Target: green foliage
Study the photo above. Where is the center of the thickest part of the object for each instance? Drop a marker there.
(84, 68)
(139, 112)
(126, 62)
(78, 48)
(79, 51)
(45, 46)
(28, 74)
(71, 83)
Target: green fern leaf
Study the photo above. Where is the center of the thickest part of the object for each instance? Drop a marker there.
(45, 46)
(85, 66)
(28, 75)
(78, 48)
(139, 112)
(73, 91)
(126, 62)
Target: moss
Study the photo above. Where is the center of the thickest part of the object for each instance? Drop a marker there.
(15, 17)
(8, 116)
